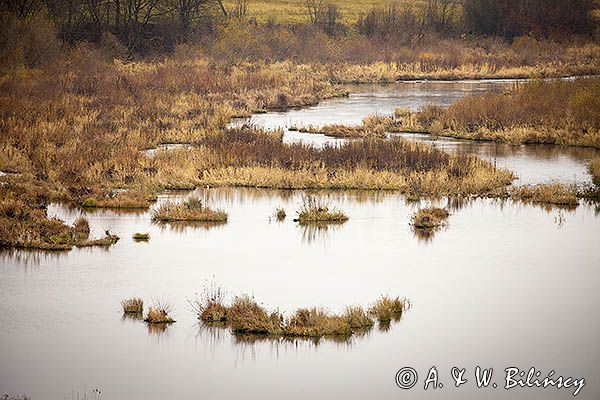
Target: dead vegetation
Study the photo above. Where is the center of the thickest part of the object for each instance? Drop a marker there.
(159, 313)
(315, 210)
(133, 306)
(244, 316)
(192, 210)
(430, 218)
(556, 194)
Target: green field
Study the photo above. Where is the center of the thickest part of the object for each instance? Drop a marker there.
(295, 10)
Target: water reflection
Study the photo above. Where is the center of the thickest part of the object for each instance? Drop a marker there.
(184, 226)
(319, 232)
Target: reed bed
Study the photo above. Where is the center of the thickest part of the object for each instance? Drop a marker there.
(541, 112)
(594, 169)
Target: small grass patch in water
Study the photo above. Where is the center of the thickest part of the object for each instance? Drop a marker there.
(357, 317)
(141, 237)
(388, 309)
(314, 210)
(191, 210)
(159, 313)
(210, 305)
(430, 218)
(247, 317)
(280, 214)
(134, 305)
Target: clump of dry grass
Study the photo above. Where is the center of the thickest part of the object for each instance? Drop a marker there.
(81, 229)
(141, 237)
(280, 214)
(108, 240)
(210, 306)
(314, 210)
(133, 306)
(191, 210)
(554, 194)
(594, 169)
(246, 316)
(430, 218)
(357, 317)
(316, 322)
(159, 313)
(388, 309)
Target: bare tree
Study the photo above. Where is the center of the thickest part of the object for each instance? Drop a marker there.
(315, 9)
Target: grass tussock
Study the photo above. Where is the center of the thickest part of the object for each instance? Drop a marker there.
(550, 194)
(388, 309)
(541, 112)
(159, 313)
(81, 229)
(141, 236)
(280, 214)
(430, 218)
(133, 306)
(191, 210)
(315, 210)
(247, 317)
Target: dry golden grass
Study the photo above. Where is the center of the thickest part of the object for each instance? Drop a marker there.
(552, 194)
(315, 210)
(430, 218)
(556, 112)
(280, 214)
(132, 306)
(388, 309)
(159, 313)
(141, 236)
(245, 316)
(190, 210)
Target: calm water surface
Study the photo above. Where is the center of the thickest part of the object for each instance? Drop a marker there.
(505, 284)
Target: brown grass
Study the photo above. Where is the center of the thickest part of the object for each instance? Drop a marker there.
(430, 218)
(159, 313)
(246, 317)
(280, 214)
(191, 210)
(558, 112)
(315, 210)
(132, 306)
(388, 309)
(552, 194)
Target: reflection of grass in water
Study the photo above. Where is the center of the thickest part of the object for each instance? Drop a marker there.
(132, 317)
(184, 226)
(314, 232)
(158, 330)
